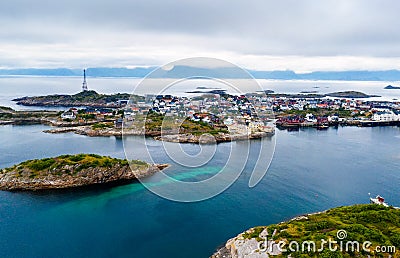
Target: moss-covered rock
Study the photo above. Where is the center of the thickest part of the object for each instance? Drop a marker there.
(67, 171)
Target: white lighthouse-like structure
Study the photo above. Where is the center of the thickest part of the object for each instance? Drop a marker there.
(84, 84)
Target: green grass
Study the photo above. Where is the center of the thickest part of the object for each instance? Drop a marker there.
(87, 116)
(154, 122)
(368, 222)
(8, 113)
(79, 162)
(99, 126)
(6, 108)
(89, 97)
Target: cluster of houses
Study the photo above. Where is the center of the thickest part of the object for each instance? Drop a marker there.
(252, 110)
(91, 113)
(215, 109)
(378, 110)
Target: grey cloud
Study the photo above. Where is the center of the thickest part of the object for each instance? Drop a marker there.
(288, 27)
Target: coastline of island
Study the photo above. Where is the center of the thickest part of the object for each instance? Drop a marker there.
(72, 171)
(360, 223)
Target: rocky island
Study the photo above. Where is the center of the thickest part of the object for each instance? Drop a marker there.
(88, 98)
(390, 87)
(315, 94)
(68, 171)
(377, 224)
(350, 94)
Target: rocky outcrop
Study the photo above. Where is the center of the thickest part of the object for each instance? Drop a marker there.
(84, 98)
(349, 94)
(178, 138)
(20, 178)
(209, 139)
(10, 116)
(89, 131)
(242, 246)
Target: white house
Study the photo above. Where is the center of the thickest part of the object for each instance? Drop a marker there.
(228, 121)
(311, 118)
(385, 116)
(68, 115)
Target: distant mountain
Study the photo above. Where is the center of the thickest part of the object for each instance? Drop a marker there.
(389, 75)
(221, 72)
(41, 72)
(118, 72)
(279, 75)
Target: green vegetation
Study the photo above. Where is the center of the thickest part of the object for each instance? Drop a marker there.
(98, 126)
(349, 94)
(64, 164)
(87, 116)
(253, 233)
(91, 97)
(374, 223)
(37, 165)
(154, 121)
(10, 113)
(2, 108)
(138, 163)
(199, 128)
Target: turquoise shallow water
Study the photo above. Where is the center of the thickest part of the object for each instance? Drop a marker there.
(311, 171)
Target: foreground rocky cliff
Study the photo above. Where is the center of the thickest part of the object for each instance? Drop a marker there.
(69, 171)
(368, 230)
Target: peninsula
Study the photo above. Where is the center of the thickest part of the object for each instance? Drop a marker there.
(11, 116)
(368, 222)
(68, 171)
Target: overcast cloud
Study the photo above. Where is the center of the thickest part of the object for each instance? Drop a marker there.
(263, 35)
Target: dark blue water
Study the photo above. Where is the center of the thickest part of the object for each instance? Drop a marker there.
(311, 171)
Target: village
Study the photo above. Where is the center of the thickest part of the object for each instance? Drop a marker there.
(250, 112)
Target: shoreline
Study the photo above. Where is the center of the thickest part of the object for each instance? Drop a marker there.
(247, 243)
(173, 137)
(74, 171)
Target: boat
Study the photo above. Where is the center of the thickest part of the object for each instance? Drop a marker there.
(378, 200)
(322, 127)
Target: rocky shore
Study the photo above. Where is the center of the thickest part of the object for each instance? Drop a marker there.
(266, 241)
(241, 247)
(104, 132)
(177, 138)
(209, 139)
(13, 117)
(69, 171)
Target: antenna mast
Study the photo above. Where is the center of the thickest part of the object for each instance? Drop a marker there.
(84, 84)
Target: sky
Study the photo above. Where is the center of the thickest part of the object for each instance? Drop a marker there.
(262, 35)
